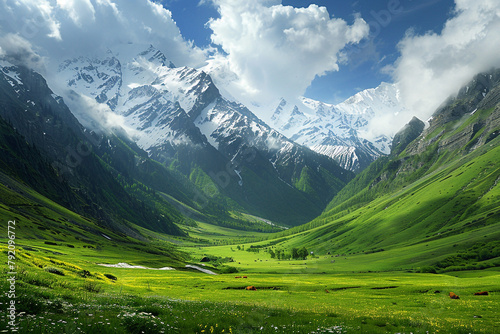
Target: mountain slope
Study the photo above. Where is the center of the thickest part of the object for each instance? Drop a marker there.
(179, 117)
(342, 131)
(441, 190)
(44, 120)
(455, 130)
(25, 164)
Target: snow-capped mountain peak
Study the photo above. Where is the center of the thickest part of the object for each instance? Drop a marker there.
(139, 83)
(332, 130)
(340, 131)
(153, 55)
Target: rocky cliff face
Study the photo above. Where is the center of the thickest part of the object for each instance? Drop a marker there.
(481, 94)
(405, 136)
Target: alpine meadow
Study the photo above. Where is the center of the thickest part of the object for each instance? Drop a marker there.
(267, 166)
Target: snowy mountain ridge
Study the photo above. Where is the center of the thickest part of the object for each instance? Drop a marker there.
(150, 92)
(147, 90)
(154, 97)
(346, 132)
(178, 116)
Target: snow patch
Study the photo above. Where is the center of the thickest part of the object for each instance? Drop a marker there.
(12, 75)
(207, 122)
(129, 266)
(240, 182)
(206, 271)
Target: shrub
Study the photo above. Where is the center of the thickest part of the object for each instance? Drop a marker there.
(92, 286)
(85, 273)
(229, 270)
(53, 270)
(111, 277)
(428, 270)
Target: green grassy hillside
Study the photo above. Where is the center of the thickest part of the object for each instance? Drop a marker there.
(434, 205)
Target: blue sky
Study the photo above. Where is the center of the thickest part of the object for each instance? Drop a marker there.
(389, 21)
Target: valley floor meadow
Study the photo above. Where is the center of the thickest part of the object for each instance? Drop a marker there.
(64, 290)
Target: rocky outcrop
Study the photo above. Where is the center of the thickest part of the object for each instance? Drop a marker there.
(405, 136)
(451, 127)
(462, 125)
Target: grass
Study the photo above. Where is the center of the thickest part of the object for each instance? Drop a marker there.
(443, 213)
(218, 234)
(302, 296)
(62, 288)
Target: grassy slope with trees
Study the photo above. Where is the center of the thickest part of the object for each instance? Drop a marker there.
(440, 189)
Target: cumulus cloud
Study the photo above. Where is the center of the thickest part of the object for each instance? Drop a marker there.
(97, 116)
(80, 11)
(434, 66)
(276, 50)
(18, 51)
(60, 29)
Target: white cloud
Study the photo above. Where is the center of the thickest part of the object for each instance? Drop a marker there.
(434, 66)
(18, 51)
(276, 50)
(29, 18)
(97, 116)
(80, 11)
(61, 29)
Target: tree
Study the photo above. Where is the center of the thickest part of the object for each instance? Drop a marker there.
(303, 253)
(273, 255)
(278, 254)
(295, 253)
